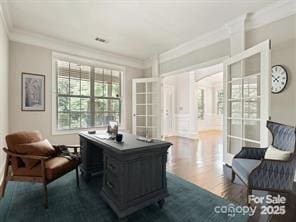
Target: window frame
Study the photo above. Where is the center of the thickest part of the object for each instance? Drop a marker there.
(203, 104)
(219, 101)
(79, 60)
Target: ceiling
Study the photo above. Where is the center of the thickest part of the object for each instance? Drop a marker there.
(137, 29)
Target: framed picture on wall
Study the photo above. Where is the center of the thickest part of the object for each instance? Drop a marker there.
(33, 92)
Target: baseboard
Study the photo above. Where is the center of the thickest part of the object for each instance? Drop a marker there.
(210, 130)
(189, 135)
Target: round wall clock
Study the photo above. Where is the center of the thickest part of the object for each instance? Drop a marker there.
(279, 78)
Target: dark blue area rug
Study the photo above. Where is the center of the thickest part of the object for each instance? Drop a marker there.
(187, 202)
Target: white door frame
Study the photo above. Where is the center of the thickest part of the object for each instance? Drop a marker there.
(265, 66)
(134, 102)
(170, 87)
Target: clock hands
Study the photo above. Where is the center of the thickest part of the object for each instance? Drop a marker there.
(276, 79)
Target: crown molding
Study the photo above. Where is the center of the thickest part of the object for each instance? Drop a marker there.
(4, 20)
(271, 13)
(72, 48)
(195, 44)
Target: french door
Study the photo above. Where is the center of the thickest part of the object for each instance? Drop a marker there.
(247, 99)
(146, 107)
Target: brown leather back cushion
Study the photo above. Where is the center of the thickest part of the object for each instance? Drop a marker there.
(40, 148)
(22, 138)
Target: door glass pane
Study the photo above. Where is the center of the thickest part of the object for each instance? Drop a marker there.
(141, 121)
(252, 65)
(149, 87)
(235, 109)
(149, 121)
(149, 99)
(145, 108)
(141, 87)
(141, 110)
(251, 87)
(140, 98)
(149, 110)
(140, 131)
(251, 130)
(234, 145)
(235, 128)
(252, 108)
(235, 89)
(234, 71)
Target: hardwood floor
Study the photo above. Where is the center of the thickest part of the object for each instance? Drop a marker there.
(201, 162)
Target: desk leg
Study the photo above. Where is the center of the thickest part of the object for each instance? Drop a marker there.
(161, 203)
(86, 176)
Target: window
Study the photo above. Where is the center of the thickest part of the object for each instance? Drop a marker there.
(87, 96)
(200, 103)
(220, 100)
(250, 103)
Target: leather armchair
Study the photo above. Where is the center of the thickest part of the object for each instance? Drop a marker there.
(45, 170)
(265, 174)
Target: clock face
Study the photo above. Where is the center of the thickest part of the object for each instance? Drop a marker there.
(279, 79)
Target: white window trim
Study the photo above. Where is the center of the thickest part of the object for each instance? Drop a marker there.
(197, 87)
(59, 56)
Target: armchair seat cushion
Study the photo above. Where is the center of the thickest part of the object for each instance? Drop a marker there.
(243, 167)
(55, 167)
(58, 166)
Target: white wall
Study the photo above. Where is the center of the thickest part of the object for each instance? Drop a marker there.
(283, 52)
(4, 44)
(33, 59)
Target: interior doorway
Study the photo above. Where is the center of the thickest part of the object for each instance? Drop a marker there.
(192, 102)
(169, 110)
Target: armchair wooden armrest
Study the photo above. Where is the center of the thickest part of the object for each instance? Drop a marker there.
(25, 156)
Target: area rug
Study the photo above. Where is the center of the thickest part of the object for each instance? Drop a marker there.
(186, 203)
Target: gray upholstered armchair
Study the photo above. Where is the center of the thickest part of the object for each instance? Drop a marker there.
(267, 174)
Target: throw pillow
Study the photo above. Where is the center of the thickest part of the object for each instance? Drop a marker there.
(276, 154)
(40, 148)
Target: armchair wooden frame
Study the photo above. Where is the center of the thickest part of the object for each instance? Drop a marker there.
(37, 179)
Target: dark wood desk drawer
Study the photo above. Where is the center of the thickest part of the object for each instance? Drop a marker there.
(112, 185)
(112, 165)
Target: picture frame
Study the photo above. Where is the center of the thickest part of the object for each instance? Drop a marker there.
(33, 92)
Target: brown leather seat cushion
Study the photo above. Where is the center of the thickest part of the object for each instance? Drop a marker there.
(55, 167)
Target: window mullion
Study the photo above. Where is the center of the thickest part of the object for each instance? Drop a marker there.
(92, 96)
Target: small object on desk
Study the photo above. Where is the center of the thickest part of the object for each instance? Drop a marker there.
(144, 139)
(119, 137)
(112, 127)
(91, 132)
(102, 136)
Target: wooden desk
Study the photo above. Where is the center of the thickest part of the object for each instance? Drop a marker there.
(134, 172)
